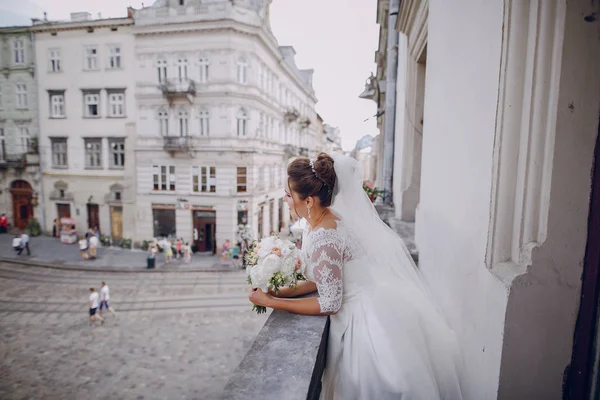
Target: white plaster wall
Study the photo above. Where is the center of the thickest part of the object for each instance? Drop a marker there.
(544, 302)
(464, 45)
(400, 131)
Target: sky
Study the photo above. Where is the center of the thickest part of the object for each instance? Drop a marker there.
(336, 38)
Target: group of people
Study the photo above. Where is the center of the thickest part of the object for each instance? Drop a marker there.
(179, 249)
(99, 301)
(88, 244)
(236, 253)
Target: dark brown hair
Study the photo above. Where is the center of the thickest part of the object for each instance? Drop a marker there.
(306, 182)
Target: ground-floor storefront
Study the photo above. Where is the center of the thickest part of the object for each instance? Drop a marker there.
(206, 222)
(93, 202)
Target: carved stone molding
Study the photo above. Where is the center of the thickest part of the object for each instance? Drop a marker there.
(60, 193)
(525, 132)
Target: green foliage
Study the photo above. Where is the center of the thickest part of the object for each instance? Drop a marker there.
(33, 227)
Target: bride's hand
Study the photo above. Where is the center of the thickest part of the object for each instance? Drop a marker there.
(258, 297)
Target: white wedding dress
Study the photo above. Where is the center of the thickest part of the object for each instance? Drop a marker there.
(387, 339)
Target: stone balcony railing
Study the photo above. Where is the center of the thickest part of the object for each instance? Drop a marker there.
(286, 361)
(176, 143)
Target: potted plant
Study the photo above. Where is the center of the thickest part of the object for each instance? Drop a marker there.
(373, 192)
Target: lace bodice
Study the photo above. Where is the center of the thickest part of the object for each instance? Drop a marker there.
(326, 252)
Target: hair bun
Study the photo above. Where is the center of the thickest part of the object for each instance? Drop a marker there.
(324, 169)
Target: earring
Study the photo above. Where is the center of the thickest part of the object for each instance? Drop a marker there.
(308, 212)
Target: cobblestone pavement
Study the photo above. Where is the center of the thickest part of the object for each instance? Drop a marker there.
(175, 336)
(50, 250)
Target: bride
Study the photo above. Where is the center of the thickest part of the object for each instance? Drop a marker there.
(388, 339)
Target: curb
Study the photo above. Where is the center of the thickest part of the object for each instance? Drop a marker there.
(42, 264)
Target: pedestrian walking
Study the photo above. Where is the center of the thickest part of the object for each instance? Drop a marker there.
(24, 244)
(235, 254)
(187, 253)
(16, 243)
(104, 297)
(83, 248)
(94, 307)
(55, 228)
(168, 253)
(3, 223)
(178, 245)
(94, 244)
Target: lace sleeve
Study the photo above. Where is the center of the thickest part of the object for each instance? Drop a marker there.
(327, 261)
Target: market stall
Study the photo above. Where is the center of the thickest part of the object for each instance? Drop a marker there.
(68, 232)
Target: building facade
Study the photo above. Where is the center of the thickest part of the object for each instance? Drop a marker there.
(86, 96)
(20, 184)
(503, 182)
(221, 108)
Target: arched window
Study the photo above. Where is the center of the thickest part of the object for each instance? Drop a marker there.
(182, 117)
(242, 71)
(203, 69)
(204, 122)
(242, 123)
(161, 65)
(163, 122)
(182, 70)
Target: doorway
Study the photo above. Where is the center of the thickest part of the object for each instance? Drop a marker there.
(584, 372)
(21, 198)
(63, 210)
(205, 224)
(116, 222)
(93, 213)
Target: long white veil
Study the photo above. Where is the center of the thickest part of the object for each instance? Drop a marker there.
(382, 244)
(409, 306)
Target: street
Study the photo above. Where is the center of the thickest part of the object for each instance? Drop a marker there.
(176, 335)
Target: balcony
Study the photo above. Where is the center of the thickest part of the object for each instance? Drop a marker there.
(26, 157)
(179, 88)
(286, 361)
(176, 143)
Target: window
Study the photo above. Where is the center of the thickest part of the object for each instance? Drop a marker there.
(93, 153)
(182, 117)
(57, 104)
(114, 58)
(91, 58)
(242, 123)
(204, 179)
(163, 220)
(204, 123)
(272, 176)
(116, 104)
(242, 71)
(59, 152)
(24, 139)
(19, 51)
(117, 153)
(242, 182)
(182, 70)
(21, 92)
(54, 60)
(261, 178)
(164, 178)
(91, 104)
(163, 122)
(203, 70)
(162, 71)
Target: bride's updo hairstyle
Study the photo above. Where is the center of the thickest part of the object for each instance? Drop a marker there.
(306, 181)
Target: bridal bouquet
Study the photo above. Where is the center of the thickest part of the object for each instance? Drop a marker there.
(273, 263)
